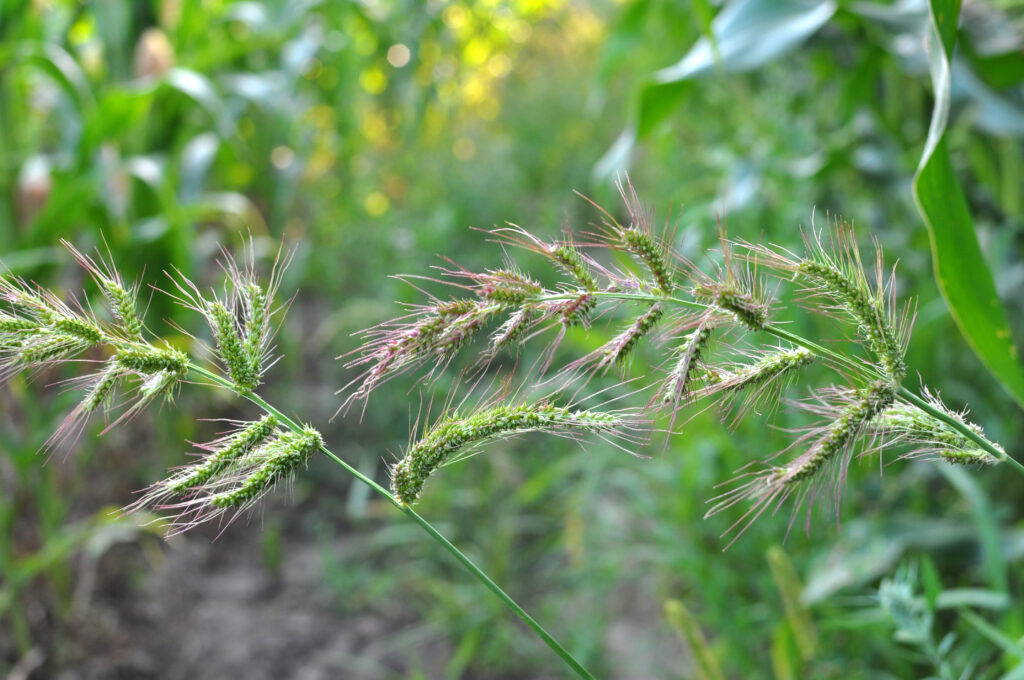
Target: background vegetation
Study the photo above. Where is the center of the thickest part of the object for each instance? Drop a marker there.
(371, 136)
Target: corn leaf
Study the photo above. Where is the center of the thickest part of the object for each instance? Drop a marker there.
(960, 269)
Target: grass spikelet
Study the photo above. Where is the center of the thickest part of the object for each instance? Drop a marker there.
(637, 239)
(575, 311)
(926, 437)
(514, 328)
(240, 317)
(257, 325)
(80, 329)
(830, 448)
(239, 470)
(120, 297)
(616, 351)
(564, 255)
(676, 388)
(744, 386)
(277, 460)
(47, 347)
(457, 433)
(835, 271)
(150, 360)
(507, 286)
(434, 333)
(223, 453)
(16, 326)
(231, 347)
(106, 381)
(738, 293)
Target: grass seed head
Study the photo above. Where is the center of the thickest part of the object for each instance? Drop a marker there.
(457, 433)
(924, 436)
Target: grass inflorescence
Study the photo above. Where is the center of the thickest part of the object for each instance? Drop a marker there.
(719, 321)
(727, 300)
(457, 433)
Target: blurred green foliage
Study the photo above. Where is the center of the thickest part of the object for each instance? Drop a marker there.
(370, 136)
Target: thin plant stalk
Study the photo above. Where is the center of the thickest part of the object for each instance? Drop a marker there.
(461, 557)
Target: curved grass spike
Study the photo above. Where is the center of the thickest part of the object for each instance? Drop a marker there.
(906, 425)
(455, 433)
(257, 325)
(103, 388)
(224, 453)
(840, 435)
(830, 448)
(80, 329)
(572, 263)
(121, 298)
(150, 360)
(837, 273)
(619, 349)
(279, 458)
(676, 387)
(637, 239)
(766, 369)
(865, 309)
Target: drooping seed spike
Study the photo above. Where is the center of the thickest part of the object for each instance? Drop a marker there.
(742, 305)
(865, 308)
(851, 413)
(576, 311)
(507, 286)
(676, 388)
(81, 329)
(47, 347)
(453, 434)
(228, 451)
(104, 386)
(926, 437)
(643, 246)
(150, 360)
(282, 457)
(572, 263)
(514, 328)
(622, 345)
(256, 325)
(122, 306)
(838, 439)
(13, 324)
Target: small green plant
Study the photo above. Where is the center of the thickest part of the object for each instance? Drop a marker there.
(725, 346)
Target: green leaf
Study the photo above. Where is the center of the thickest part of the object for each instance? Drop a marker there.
(745, 35)
(960, 269)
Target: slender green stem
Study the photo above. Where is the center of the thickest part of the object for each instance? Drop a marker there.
(470, 566)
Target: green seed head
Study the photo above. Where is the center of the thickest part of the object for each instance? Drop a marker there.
(652, 254)
(453, 434)
(228, 453)
(231, 348)
(571, 262)
(151, 360)
(280, 458)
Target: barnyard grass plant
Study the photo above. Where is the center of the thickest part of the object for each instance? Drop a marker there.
(720, 329)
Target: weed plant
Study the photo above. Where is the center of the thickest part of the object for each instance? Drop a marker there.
(722, 327)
